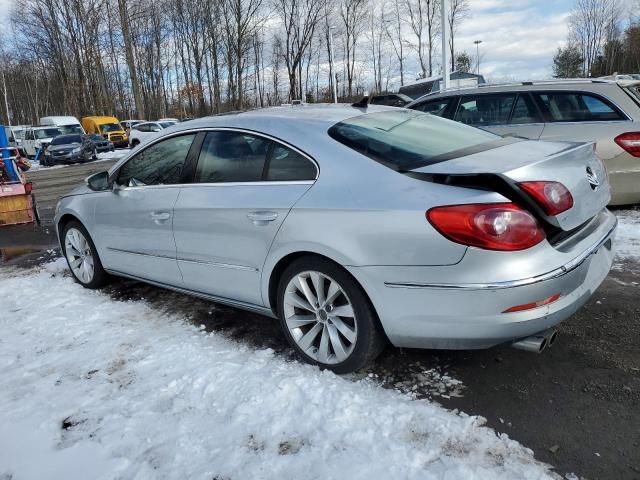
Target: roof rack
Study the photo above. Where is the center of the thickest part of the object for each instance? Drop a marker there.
(516, 84)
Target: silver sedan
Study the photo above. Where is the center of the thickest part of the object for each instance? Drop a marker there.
(355, 227)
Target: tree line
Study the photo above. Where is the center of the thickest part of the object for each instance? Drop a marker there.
(181, 58)
(604, 38)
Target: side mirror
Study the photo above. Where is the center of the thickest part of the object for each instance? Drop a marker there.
(99, 182)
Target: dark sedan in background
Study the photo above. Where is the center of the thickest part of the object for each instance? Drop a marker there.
(101, 143)
(65, 149)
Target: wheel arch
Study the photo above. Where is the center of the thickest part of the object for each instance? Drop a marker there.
(63, 220)
(281, 265)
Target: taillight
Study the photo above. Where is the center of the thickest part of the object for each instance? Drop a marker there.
(492, 226)
(553, 197)
(630, 142)
(28, 187)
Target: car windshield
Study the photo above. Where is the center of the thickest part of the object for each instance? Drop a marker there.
(46, 133)
(405, 139)
(73, 128)
(110, 127)
(66, 139)
(97, 138)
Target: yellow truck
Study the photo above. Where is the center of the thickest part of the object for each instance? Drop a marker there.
(108, 127)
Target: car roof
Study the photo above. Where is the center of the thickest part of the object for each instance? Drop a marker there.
(318, 114)
(532, 85)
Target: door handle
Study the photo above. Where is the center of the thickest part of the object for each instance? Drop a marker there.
(160, 216)
(262, 217)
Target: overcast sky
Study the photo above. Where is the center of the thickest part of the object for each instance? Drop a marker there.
(519, 37)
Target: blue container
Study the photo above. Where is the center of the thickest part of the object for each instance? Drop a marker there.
(9, 165)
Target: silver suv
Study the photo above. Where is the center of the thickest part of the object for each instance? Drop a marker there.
(602, 111)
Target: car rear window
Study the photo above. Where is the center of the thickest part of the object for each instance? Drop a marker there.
(406, 139)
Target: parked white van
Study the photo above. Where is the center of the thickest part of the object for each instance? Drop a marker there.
(67, 125)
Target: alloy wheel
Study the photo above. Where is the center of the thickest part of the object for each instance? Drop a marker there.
(320, 317)
(79, 256)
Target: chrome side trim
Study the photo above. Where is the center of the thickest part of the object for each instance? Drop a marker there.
(558, 272)
(199, 262)
(220, 184)
(130, 252)
(205, 296)
(221, 265)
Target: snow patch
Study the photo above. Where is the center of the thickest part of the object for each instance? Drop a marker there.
(627, 241)
(99, 388)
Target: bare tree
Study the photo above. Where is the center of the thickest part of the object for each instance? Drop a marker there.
(299, 21)
(352, 13)
(424, 22)
(394, 33)
(590, 23)
(459, 11)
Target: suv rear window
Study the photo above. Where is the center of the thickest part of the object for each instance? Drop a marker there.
(406, 139)
(577, 107)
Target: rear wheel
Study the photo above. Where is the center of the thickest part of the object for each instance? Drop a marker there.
(82, 256)
(327, 317)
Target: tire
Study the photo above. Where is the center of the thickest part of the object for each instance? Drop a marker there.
(87, 249)
(341, 343)
(134, 143)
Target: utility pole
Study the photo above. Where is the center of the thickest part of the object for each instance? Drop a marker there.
(335, 87)
(445, 44)
(478, 42)
(6, 102)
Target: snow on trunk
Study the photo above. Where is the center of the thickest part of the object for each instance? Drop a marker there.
(102, 389)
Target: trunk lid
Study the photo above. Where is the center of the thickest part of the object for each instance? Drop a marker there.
(575, 165)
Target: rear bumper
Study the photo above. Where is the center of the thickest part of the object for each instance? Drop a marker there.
(469, 315)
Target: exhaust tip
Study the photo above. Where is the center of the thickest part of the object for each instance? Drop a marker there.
(543, 345)
(552, 338)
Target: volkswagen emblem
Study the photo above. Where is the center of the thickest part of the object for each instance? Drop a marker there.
(592, 178)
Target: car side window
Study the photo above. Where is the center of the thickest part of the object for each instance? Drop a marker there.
(144, 127)
(524, 111)
(158, 164)
(435, 107)
(231, 157)
(578, 107)
(286, 164)
(485, 110)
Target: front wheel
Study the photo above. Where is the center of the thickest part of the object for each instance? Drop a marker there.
(82, 256)
(327, 317)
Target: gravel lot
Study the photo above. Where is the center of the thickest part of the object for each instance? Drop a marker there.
(577, 406)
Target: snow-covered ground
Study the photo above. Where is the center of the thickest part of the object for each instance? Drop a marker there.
(115, 155)
(627, 241)
(103, 389)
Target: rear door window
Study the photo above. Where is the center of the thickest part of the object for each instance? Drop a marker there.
(286, 164)
(485, 110)
(228, 156)
(231, 157)
(577, 107)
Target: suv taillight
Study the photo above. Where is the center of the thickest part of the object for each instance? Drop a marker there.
(553, 197)
(492, 226)
(630, 143)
